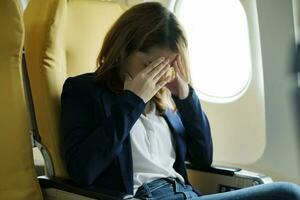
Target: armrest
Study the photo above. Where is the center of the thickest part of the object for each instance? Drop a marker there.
(228, 171)
(70, 186)
(234, 172)
(215, 179)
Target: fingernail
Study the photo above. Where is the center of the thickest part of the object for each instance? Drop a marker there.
(162, 58)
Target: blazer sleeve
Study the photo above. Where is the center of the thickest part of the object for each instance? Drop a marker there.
(89, 150)
(198, 134)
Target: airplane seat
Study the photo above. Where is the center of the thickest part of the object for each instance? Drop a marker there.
(18, 177)
(63, 38)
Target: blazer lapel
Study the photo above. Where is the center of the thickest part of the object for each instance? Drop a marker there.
(174, 122)
(125, 158)
(178, 131)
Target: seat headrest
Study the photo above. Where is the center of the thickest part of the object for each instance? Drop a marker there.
(63, 38)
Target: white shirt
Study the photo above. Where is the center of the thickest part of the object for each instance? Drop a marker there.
(152, 148)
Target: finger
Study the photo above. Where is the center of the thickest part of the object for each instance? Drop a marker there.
(157, 70)
(154, 64)
(177, 68)
(180, 65)
(167, 78)
(161, 84)
(161, 73)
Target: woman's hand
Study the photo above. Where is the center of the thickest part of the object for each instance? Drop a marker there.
(147, 82)
(178, 87)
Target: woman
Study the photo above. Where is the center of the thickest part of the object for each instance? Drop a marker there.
(131, 125)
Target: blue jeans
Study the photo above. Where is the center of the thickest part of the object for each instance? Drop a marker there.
(174, 189)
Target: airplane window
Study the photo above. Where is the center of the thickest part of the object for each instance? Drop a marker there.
(219, 48)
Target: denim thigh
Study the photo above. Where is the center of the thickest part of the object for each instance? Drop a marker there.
(165, 188)
(173, 189)
(270, 191)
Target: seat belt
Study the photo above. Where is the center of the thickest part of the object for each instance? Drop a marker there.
(35, 137)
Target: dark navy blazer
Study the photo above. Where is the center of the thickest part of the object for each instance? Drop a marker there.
(96, 142)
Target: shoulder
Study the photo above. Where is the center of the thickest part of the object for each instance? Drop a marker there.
(83, 84)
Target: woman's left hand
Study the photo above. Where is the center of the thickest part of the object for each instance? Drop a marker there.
(178, 87)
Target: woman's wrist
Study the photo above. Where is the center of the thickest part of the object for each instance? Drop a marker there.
(183, 93)
(183, 98)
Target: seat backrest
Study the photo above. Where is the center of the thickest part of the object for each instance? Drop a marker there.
(63, 38)
(18, 177)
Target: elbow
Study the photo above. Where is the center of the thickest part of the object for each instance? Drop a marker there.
(79, 175)
(76, 169)
(209, 151)
(208, 161)
(209, 156)
(202, 158)
(203, 163)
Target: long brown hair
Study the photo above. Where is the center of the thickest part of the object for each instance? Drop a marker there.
(140, 28)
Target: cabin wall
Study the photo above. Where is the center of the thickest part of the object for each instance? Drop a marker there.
(281, 158)
(274, 42)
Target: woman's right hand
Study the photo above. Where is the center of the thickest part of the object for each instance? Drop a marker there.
(147, 82)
